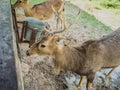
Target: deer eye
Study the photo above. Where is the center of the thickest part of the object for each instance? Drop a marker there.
(43, 46)
(20, 1)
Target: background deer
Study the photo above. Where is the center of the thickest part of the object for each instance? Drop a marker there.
(43, 10)
(85, 60)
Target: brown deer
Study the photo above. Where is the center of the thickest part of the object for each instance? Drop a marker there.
(85, 59)
(43, 10)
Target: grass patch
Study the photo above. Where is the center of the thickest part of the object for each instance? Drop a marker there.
(107, 3)
(88, 19)
(32, 2)
(110, 4)
(84, 18)
(96, 27)
(13, 1)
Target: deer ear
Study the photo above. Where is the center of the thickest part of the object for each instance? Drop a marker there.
(27, 1)
(61, 42)
(58, 38)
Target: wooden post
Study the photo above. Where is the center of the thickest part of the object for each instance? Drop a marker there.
(10, 69)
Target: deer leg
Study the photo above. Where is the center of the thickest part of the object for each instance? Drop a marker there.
(56, 69)
(65, 27)
(108, 75)
(81, 81)
(89, 85)
(60, 19)
(63, 22)
(90, 78)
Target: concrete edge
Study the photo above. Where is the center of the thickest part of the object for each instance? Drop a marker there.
(17, 60)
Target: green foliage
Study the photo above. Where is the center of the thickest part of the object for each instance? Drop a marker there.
(32, 2)
(13, 1)
(89, 19)
(110, 3)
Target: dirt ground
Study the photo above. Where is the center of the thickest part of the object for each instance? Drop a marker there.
(37, 70)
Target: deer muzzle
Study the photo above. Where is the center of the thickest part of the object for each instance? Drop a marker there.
(27, 53)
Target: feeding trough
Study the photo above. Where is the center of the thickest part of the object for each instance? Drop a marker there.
(32, 29)
(35, 24)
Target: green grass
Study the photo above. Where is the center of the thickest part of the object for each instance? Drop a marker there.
(96, 28)
(88, 19)
(32, 2)
(111, 5)
(85, 18)
(108, 3)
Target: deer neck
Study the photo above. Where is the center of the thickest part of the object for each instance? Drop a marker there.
(60, 51)
(28, 10)
(57, 51)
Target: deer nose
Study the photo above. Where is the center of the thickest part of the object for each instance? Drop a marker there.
(27, 53)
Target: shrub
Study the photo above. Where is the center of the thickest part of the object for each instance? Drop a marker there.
(110, 3)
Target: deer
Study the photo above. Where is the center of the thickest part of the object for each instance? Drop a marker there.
(43, 11)
(85, 59)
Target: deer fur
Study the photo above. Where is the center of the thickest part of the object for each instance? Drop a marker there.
(44, 11)
(85, 59)
(41, 11)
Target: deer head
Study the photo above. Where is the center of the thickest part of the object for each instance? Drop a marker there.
(21, 3)
(47, 46)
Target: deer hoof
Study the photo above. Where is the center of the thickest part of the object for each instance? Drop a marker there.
(78, 87)
(56, 71)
